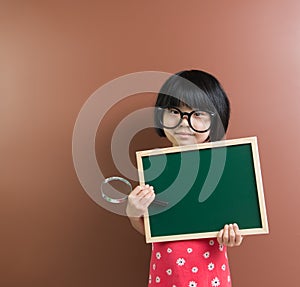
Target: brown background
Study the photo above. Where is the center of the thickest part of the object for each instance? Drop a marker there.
(55, 54)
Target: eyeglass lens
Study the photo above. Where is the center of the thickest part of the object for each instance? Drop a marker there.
(198, 120)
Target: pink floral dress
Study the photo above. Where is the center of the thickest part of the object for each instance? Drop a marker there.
(189, 263)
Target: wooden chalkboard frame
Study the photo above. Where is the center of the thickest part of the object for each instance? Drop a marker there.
(261, 228)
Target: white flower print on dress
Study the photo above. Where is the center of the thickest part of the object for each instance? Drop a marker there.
(211, 266)
(189, 250)
(195, 269)
(154, 266)
(158, 255)
(211, 242)
(169, 271)
(150, 279)
(221, 247)
(157, 280)
(223, 267)
(180, 261)
(226, 255)
(169, 250)
(215, 282)
(228, 278)
(206, 255)
(192, 284)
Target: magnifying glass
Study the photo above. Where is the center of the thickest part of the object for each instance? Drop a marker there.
(121, 198)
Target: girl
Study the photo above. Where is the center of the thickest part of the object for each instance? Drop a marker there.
(191, 108)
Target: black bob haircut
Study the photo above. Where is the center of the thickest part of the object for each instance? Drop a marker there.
(198, 90)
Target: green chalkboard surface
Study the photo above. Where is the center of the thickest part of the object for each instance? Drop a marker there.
(206, 186)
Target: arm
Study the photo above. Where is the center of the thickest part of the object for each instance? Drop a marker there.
(138, 201)
(230, 235)
(138, 224)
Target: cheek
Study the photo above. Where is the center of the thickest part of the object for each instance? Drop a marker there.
(201, 138)
(170, 137)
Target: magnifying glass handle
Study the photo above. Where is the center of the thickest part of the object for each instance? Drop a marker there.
(159, 202)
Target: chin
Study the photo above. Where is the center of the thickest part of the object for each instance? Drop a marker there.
(185, 142)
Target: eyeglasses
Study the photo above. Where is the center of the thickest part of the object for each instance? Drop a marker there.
(199, 120)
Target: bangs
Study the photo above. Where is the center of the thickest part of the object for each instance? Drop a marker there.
(182, 92)
(199, 91)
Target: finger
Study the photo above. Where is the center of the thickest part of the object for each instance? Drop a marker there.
(147, 198)
(144, 196)
(139, 192)
(135, 196)
(138, 204)
(139, 188)
(146, 204)
(226, 234)
(136, 190)
(146, 193)
(238, 236)
(220, 236)
(142, 193)
(231, 236)
(145, 189)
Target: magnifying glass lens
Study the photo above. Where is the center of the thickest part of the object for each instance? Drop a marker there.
(115, 189)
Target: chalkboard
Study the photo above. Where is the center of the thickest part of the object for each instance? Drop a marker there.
(206, 186)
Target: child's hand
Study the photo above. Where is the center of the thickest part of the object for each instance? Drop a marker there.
(139, 200)
(230, 235)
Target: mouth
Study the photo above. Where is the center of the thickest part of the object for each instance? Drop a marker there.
(184, 134)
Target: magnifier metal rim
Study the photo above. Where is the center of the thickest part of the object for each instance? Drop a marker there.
(115, 200)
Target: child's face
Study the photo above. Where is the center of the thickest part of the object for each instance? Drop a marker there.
(183, 134)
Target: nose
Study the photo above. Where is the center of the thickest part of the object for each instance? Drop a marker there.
(184, 121)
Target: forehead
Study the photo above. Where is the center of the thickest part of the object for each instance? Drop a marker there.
(185, 107)
(190, 100)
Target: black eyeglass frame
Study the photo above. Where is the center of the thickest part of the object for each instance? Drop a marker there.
(182, 114)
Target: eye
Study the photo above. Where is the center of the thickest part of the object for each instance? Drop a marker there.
(173, 111)
(200, 114)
